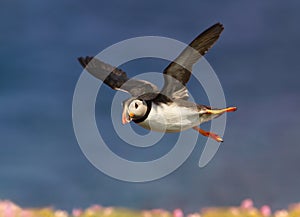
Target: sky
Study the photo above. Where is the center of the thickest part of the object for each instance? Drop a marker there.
(256, 60)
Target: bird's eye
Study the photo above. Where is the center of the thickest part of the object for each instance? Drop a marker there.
(136, 105)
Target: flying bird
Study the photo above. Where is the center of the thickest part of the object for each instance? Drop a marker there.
(168, 109)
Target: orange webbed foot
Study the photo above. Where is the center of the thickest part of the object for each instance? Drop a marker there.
(214, 136)
(220, 111)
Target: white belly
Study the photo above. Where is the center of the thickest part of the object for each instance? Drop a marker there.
(170, 118)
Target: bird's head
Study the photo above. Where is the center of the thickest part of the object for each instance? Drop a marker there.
(133, 109)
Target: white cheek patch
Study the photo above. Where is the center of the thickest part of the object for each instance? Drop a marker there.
(141, 111)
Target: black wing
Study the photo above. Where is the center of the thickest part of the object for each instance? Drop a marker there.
(116, 78)
(178, 73)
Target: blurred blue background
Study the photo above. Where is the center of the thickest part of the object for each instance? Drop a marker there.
(256, 60)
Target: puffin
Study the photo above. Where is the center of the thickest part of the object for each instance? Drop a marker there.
(166, 110)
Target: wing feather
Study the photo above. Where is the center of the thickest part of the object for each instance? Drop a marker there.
(116, 78)
(178, 73)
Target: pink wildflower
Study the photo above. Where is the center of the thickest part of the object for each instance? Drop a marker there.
(265, 211)
(9, 209)
(177, 213)
(247, 204)
(76, 212)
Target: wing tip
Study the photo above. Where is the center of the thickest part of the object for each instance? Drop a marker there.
(84, 61)
(218, 25)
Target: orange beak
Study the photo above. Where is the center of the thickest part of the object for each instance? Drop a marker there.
(131, 114)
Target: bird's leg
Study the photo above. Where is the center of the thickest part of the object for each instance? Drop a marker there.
(220, 111)
(209, 134)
